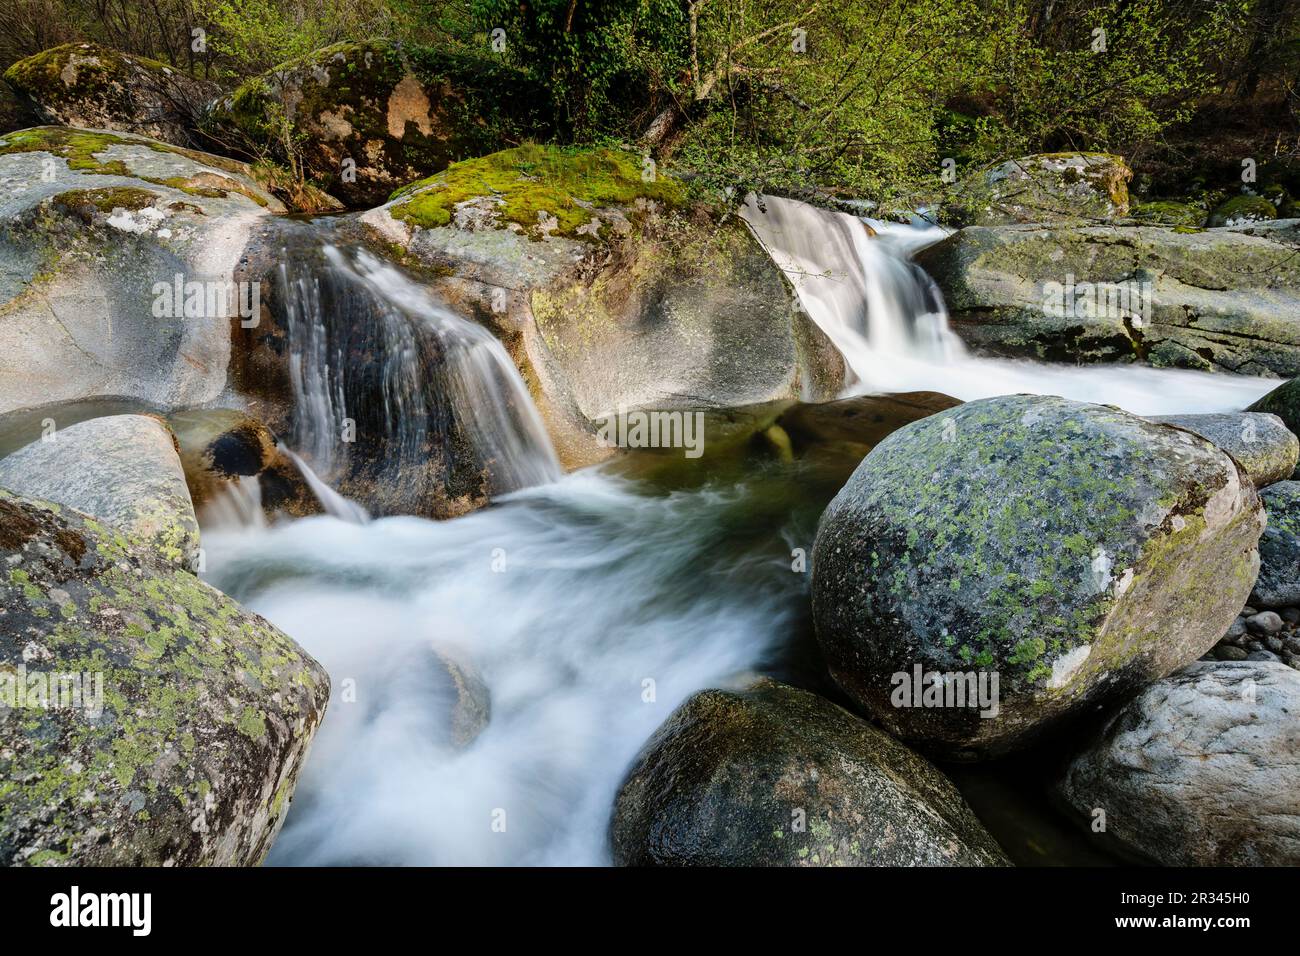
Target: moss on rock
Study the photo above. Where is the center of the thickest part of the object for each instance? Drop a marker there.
(1240, 210)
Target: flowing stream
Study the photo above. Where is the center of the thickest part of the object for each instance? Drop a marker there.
(591, 604)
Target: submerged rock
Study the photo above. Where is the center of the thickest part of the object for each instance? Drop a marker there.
(123, 470)
(1278, 584)
(84, 84)
(1073, 552)
(119, 267)
(775, 776)
(191, 717)
(613, 294)
(861, 420)
(1045, 187)
(1215, 300)
(1200, 769)
(220, 445)
(368, 117)
(1261, 443)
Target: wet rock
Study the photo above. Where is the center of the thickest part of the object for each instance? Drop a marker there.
(1045, 187)
(123, 470)
(1279, 549)
(612, 295)
(1265, 622)
(1200, 769)
(119, 264)
(775, 776)
(1074, 551)
(861, 420)
(83, 84)
(191, 717)
(393, 112)
(1216, 300)
(219, 446)
(1227, 652)
(1261, 443)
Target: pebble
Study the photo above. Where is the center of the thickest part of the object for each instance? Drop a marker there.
(1236, 628)
(1265, 622)
(1263, 656)
(1274, 644)
(1248, 611)
(1226, 652)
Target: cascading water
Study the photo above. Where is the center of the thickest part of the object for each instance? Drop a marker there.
(888, 320)
(392, 389)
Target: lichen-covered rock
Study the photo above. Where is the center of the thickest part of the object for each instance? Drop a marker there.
(1284, 402)
(221, 445)
(1215, 300)
(1261, 443)
(775, 776)
(1073, 551)
(1278, 584)
(1045, 187)
(191, 717)
(123, 470)
(119, 267)
(369, 117)
(1241, 210)
(1200, 770)
(613, 294)
(1168, 213)
(83, 84)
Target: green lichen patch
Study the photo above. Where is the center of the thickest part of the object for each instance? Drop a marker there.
(533, 182)
(108, 198)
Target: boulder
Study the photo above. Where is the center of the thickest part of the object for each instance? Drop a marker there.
(775, 776)
(1071, 552)
(83, 84)
(368, 117)
(1278, 584)
(1216, 300)
(862, 420)
(219, 446)
(1284, 402)
(123, 470)
(1261, 443)
(1241, 210)
(15, 111)
(1045, 187)
(611, 291)
(176, 723)
(1200, 769)
(119, 267)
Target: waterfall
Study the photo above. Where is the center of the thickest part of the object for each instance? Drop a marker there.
(335, 504)
(392, 389)
(887, 318)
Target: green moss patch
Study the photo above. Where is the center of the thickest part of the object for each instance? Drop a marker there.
(108, 198)
(530, 180)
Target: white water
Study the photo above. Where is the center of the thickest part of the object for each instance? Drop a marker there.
(602, 589)
(335, 505)
(888, 320)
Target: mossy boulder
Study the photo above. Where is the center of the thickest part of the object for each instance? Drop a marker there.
(1166, 212)
(219, 446)
(1199, 770)
(191, 718)
(1072, 552)
(1213, 300)
(1259, 442)
(367, 117)
(83, 84)
(1240, 210)
(96, 231)
(1045, 187)
(1278, 585)
(776, 776)
(614, 291)
(122, 470)
(1284, 402)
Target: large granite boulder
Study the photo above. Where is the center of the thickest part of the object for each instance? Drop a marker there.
(1217, 300)
(1261, 443)
(775, 776)
(119, 267)
(145, 718)
(87, 85)
(613, 293)
(123, 470)
(367, 117)
(1045, 187)
(1199, 770)
(1041, 556)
